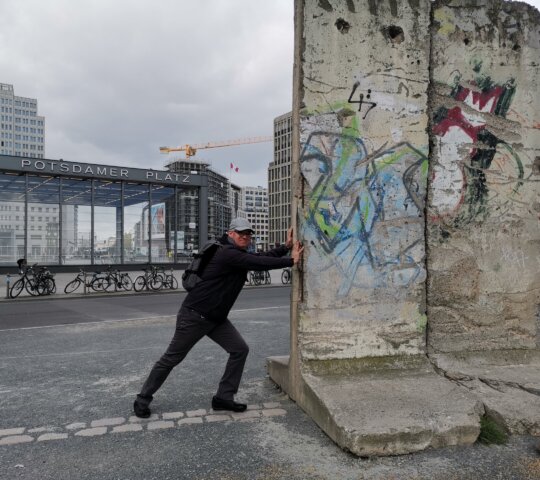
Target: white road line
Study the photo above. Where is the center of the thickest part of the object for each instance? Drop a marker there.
(128, 320)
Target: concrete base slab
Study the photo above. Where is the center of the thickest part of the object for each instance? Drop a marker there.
(506, 382)
(390, 411)
(278, 369)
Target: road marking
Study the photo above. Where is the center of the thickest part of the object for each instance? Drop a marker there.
(156, 423)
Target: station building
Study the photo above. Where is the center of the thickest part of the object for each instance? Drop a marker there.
(66, 214)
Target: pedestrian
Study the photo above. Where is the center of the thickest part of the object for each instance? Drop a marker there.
(206, 307)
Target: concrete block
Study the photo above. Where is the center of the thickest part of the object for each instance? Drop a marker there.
(190, 421)
(130, 427)
(92, 432)
(160, 425)
(105, 422)
(12, 431)
(507, 382)
(172, 415)
(196, 413)
(14, 439)
(398, 413)
(52, 436)
(217, 418)
(278, 369)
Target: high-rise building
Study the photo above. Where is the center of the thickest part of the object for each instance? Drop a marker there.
(219, 206)
(255, 210)
(279, 181)
(22, 130)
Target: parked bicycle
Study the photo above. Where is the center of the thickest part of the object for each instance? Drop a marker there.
(115, 279)
(96, 282)
(259, 278)
(170, 281)
(286, 275)
(40, 282)
(151, 279)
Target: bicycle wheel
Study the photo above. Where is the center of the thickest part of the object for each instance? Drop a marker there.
(100, 284)
(31, 286)
(139, 284)
(125, 283)
(73, 285)
(155, 282)
(172, 282)
(285, 276)
(47, 286)
(16, 288)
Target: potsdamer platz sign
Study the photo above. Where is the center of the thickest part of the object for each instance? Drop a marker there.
(61, 213)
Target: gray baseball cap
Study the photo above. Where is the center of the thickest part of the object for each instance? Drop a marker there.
(240, 225)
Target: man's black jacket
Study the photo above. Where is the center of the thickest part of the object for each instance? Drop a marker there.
(225, 275)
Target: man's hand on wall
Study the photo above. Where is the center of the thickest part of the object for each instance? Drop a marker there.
(289, 242)
(296, 253)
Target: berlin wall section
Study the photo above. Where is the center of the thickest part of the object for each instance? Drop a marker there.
(416, 173)
(483, 230)
(363, 165)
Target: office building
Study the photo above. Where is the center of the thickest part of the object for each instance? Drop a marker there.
(219, 204)
(279, 181)
(255, 210)
(22, 130)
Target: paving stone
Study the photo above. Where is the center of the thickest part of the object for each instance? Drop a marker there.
(159, 425)
(217, 418)
(106, 422)
(133, 427)
(151, 418)
(12, 431)
(13, 439)
(92, 432)
(42, 429)
(273, 412)
(52, 436)
(196, 413)
(186, 421)
(247, 414)
(75, 426)
(172, 415)
(271, 405)
(254, 406)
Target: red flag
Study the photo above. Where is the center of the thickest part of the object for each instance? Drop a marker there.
(234, 167)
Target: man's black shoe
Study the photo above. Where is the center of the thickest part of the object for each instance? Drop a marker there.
(142, 411)
(219, 404)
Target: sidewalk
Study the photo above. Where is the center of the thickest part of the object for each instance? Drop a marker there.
(62, 279)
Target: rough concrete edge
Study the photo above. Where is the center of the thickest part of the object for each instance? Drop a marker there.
(380, 445)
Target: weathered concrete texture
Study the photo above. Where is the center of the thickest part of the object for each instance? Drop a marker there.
(506, 382)
(483, 209)
(363, 165)
(390, 411)
(416, 175)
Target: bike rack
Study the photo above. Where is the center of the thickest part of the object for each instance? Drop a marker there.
(8, 280)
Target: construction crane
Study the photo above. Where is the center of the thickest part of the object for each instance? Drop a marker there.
(191, 150)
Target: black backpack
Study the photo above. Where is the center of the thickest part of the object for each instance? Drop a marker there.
(192, 274)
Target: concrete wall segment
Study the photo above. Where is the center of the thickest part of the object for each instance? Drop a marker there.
(363, 160)
(483, 215)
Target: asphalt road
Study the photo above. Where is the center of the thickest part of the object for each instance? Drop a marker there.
(70, 368)
(63, 310)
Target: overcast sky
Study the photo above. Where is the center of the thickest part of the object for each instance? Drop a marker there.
(117, 79)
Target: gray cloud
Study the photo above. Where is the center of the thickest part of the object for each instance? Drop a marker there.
(115, 80)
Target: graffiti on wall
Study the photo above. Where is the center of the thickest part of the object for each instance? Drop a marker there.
(365, 214)
(476, 170)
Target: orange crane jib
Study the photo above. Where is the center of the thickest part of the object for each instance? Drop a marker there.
(192, 149)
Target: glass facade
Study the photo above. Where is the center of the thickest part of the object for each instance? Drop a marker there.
(66, 220)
